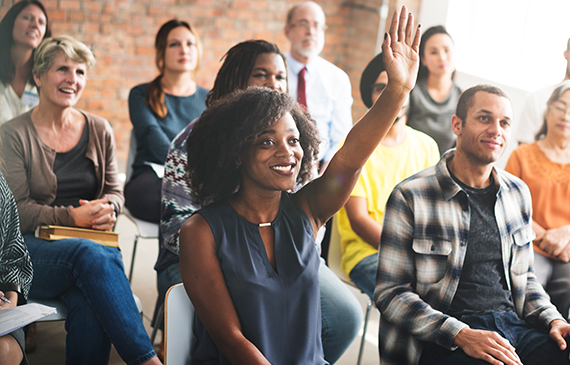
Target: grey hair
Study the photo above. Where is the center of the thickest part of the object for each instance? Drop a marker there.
(73, 49)
(556, 94)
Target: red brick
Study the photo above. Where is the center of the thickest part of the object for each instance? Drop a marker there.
(69, 4)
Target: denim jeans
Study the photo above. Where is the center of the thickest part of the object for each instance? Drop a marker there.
(533, 346)
(341, 313)
(363, 274)
(91, 281)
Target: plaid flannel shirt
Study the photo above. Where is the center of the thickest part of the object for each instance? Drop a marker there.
(421, 253)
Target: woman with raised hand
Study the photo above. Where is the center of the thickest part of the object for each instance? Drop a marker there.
(22, 29)
(61, 166)
(248, 259)
(250, 63)
(433, 100)
(159, 110)
(545, 167)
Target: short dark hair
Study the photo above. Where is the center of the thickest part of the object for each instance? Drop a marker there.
(369, 77)
(224, 135)
(7, 70)
(237, 65)
(423, 72)
(466, 99)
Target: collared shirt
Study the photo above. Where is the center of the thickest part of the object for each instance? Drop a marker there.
(11, 105)
(329, 100)
(421, 254)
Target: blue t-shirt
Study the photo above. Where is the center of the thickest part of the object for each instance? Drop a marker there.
(279, 309)
(153, 134)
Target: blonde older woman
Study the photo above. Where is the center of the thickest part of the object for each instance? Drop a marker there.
(61, 166)
(545, 167)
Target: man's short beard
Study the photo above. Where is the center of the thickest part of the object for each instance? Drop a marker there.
(309, 53)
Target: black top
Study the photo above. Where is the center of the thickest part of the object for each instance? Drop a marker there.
(482, 287)
(75, 174)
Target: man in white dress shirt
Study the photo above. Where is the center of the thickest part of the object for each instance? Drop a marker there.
(328, 95)
(532, 112)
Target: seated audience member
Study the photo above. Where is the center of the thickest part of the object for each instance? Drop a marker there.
(433, 100)
(403, 152)
(250, 63)
(15, 274)
(248, 258)
(159, 110)
(323, 88)
(532, 113)
(455, 281)
(545, 167)
(22, 29)
(62, 168)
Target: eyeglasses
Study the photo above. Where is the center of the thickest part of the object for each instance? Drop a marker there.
(560, 110)
(308, 26)
(378, 88)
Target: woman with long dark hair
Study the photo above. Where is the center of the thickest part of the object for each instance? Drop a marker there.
(433, 100)
(22, 29)
(159, 110)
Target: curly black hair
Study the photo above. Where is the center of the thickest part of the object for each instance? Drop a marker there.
(225, 132)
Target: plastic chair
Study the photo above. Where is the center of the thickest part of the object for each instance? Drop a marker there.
(145, 229)
(334, 259)
(178, 321)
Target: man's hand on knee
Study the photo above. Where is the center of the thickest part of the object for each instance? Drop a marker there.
(488, 346)
(559, 330)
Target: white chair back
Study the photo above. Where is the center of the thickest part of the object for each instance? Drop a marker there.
(178, 321)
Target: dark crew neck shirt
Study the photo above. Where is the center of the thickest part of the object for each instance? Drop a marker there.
(75, 174)
(482, 287)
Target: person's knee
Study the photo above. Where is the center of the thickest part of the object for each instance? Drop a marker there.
(91, 255)
(10, 351)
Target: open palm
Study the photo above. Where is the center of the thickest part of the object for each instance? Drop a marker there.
(400, 49)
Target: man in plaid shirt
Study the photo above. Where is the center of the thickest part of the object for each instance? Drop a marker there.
(455, 282)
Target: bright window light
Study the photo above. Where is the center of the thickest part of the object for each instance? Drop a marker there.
(519, 43)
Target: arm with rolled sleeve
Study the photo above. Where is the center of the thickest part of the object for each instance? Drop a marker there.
(146, 127)
(395, 295)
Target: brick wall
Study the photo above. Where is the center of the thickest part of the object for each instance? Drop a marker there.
(121, 33)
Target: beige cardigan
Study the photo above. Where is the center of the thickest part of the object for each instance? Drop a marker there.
(28, 168)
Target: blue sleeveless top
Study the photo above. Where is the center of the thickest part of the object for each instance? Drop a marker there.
(279, 310)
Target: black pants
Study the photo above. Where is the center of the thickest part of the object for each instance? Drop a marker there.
(142, 196)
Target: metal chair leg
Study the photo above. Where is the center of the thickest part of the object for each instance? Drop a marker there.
(133, 258)
(362, 341)
(158, 321)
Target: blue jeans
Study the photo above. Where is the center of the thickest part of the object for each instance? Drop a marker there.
(533, 346)
(341, 313)
(363, 274)
(91, 281)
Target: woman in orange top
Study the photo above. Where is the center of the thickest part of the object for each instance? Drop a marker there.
(545, 167)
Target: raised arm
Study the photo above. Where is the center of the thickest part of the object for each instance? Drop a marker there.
(326, 195)
(204, 282)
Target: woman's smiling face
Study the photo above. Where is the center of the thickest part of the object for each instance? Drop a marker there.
(274, 159)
